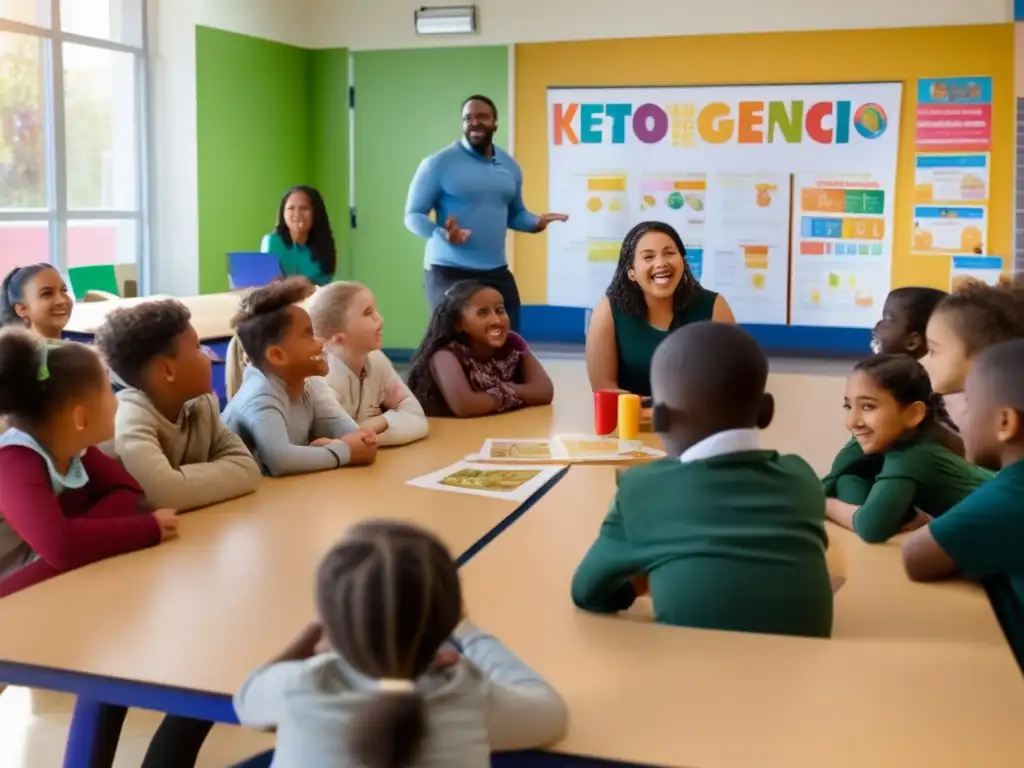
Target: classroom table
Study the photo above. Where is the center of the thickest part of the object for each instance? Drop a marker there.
(878, 600)
(211, 313)
(211, 317)
(177, 628)
(643, 694)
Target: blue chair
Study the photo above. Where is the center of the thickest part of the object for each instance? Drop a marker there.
(252, 270)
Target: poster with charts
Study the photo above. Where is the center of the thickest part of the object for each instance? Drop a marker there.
(693, 157)
(842, 246)
(746, 249)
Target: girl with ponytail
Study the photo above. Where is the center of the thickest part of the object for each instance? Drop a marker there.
(36, 297)
(894, 474)
(392, 675)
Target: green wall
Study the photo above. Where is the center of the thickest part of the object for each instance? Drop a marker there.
(408, 107)
(268, 116)
(328, 144)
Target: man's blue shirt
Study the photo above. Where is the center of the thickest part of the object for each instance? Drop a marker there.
(484, 194)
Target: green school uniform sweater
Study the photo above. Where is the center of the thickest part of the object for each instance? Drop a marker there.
(889, 487)
(984, 535)
(734, 542)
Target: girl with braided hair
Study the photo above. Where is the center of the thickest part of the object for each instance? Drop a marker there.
(392, 675)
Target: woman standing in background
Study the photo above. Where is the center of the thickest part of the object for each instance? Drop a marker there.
(302, 240)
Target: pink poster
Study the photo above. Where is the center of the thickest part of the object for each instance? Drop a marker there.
(954, 114)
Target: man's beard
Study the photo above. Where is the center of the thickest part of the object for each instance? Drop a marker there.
(481, 142)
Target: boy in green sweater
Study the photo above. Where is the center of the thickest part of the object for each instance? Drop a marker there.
(724, 535)
(983, 535)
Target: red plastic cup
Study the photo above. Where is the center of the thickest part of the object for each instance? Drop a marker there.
(606, 412)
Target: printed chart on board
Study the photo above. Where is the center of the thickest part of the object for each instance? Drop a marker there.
(782, 194)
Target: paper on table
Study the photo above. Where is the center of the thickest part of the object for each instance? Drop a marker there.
(512, 483)
(564, 448)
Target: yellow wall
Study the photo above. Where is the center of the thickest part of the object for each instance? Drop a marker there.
(794, 57)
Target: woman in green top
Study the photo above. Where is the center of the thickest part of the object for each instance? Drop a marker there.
(302, 239)
(894, 474)
(652, 293)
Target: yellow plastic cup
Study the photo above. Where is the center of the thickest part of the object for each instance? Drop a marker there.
(629, 417)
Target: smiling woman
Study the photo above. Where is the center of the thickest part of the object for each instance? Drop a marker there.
(37, 297)
(302, 239)
(652, 293)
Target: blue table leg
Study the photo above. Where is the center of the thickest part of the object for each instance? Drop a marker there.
(95, 731)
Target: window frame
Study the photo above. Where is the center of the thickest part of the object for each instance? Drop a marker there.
(57, 214)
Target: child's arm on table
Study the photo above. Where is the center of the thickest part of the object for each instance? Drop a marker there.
(975, 537)
(523, 711)
(277, 452)
(461, 398)
(33, 511)
(231, 471)
(848, 456)
(603, 581)
(260, 702)
(330, 420)
(881, 515)
(536, 388)
(113, 492)
(403, 417)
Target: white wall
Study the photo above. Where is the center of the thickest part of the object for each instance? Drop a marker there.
(174, 261)
(376, 24)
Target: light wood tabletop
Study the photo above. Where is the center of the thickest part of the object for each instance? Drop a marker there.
(915, 674)
(211, 313)
(656, 695)
(204, 610)
(878, 600)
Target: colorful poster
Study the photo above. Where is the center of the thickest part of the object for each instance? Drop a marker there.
(954, 114)
(987, 269)
(953, 179)
(958, 230)
(842, 241)
(693, 157)
(748, 244)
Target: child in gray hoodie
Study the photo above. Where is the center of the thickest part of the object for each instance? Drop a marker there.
(372, 683)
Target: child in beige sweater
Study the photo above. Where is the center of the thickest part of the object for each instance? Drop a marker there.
(169, 434)
(345, 317)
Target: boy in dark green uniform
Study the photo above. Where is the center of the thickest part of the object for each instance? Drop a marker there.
(983, 535)
(724, 535)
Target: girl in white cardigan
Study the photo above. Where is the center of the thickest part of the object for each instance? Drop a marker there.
(345, 317)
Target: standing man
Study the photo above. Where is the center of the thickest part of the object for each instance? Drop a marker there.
(475, 190)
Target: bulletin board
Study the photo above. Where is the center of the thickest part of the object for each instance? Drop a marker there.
(902, 56)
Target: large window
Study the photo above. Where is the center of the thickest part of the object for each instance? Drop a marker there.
(72, 132)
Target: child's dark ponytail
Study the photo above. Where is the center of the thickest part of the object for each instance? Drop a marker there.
(389, 730)
(38, 377)
(388, 596)
(903, 377)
